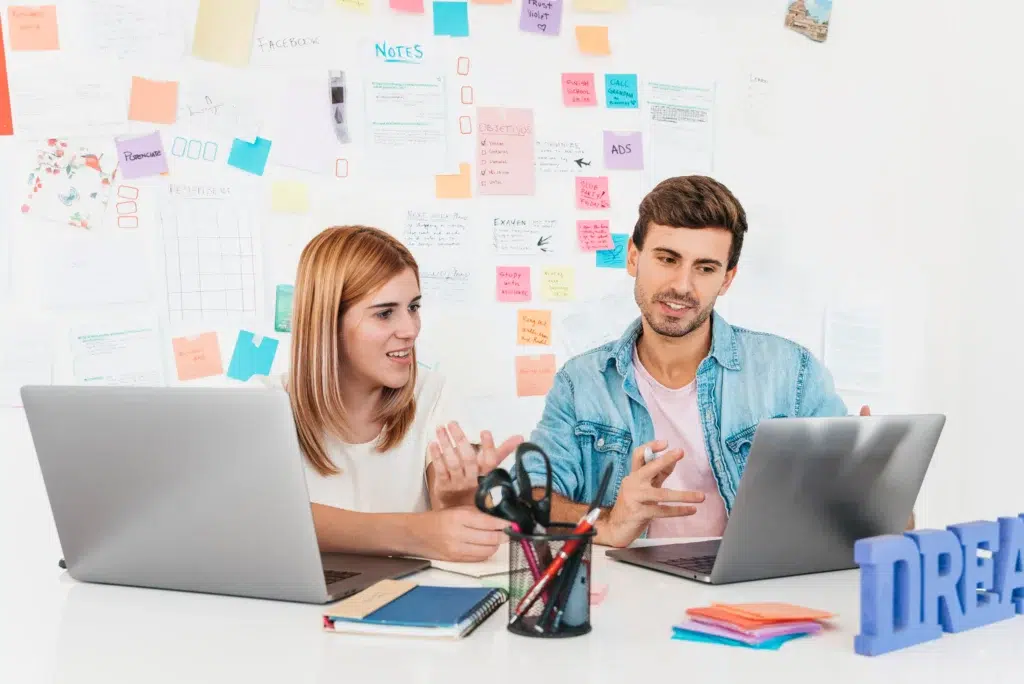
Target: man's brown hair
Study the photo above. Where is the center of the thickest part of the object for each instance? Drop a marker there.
(693, 202)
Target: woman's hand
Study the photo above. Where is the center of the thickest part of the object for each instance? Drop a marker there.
(461, 534)
(457, 464)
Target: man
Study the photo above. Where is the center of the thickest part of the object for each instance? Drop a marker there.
(681, 374)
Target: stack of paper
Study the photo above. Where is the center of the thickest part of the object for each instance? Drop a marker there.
(764, 626)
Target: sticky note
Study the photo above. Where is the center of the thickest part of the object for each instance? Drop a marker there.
(141, 157)
(413, 6)
(534, 375)
(283, 308)
(358, 5)
(197, 357)
(153, 101)
(579, 90)
(451, 19)
(558, 283)
(289, 197)
(616, 256)
(506, 149)
(541, 16)
(251, 157)
(223, 31)
(513, 284)
(593, 235)
(624, 151)
(599, 5)
(620, 91)
(454, 185)
(592, 192)
(33, 28)
(534, 327)
(6, 123)
(593, 40)
(252, 356)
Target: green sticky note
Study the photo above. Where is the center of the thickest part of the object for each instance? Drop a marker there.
(283, 308)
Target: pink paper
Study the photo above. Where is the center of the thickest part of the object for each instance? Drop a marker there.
(514, 284)
(414, 6)
(598, 593)
(579, 90)
(761, 633)
(594, 235)
(505, 144)
(592, 192)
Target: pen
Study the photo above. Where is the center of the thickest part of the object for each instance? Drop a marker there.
(531, 558)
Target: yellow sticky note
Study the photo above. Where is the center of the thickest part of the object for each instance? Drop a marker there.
(534, 375)
(534, 327)
(360, 5)
(454, 185)
(153, 101)
(290, 197)
(558, 283)
(33, 28)
(599, 5)
(593, 40)
(224, 31)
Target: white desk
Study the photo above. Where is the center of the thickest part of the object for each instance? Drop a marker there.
(58, 630)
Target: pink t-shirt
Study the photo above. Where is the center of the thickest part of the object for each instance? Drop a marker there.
(677, 421)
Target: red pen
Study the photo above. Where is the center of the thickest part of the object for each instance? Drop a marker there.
(584, 526)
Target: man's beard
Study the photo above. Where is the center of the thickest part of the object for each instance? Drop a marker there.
(672, 327)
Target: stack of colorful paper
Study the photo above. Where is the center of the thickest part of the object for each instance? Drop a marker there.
(765, 626)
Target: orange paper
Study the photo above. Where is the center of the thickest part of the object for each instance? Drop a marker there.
(153, 101)
(720, 613)
(774, 611)
(534, 327)
(593, 40)
(33, 28)
(197, 357)
(534, 375)
(6, 123)
(454, 186)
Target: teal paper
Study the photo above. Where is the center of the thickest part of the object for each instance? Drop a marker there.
(451, 19)
(620, 91)
(248, 359)
(251, 157)
(616, 256)
(768, 645)
(283, 308)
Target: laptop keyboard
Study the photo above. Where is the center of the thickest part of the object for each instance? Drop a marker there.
(699, 564)
(333, 576)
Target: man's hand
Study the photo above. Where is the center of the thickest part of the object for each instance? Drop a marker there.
(456, 464)
(641, 497)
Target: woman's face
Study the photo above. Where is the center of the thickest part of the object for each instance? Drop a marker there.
(378, 333)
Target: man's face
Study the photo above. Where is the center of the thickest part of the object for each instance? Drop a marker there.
(679, 275)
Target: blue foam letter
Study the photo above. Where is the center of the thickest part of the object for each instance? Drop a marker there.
(890, 595)
(942, 562)
(984, 607)
(1009, 582)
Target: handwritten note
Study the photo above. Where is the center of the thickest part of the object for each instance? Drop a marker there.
(558, 283)
(447, 284)
(289, 197)
(623, 151)
(411, 6)
(616, 256)
(451, 19)
(223, 31)
(579, 90)
(534, 327)
(141, 157)
(358, 5)
(454, 185)
(153, 101)
(593, 40)
(592, 192)
(520, 235)
(534, 375)
(505, 151)
(620, 91)
(252, 356)
(435, 229)
(562, 156)
(197, 357)
(249, 156)
(514, 284)
(594, 235)
(33, 28)
(541, 16)
(283, 297)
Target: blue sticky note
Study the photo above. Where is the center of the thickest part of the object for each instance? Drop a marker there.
(616, 256)
(250, 359)
(772, 644)
(451, 19)
(251, 157)
(620, 91)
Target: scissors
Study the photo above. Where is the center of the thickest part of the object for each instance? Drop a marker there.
(519, 507)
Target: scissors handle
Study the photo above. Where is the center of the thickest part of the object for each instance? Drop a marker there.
(541, 508)
(508, 507)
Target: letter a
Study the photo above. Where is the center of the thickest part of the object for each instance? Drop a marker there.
(980, 607)
(1009, 582)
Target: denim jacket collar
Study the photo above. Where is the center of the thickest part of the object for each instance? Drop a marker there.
(723, 346)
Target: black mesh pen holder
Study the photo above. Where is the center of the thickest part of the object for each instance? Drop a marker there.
(563, 608)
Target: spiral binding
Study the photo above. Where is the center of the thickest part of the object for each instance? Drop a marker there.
(486, 609)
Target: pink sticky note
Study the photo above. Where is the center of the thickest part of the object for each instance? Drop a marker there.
(505, 151)
(514, 284)
(592, 192)
(597, 593)
(594, 235)
(579, 90)
(414, 6)
(624, 151)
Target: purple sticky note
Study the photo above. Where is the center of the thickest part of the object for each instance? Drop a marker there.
(541, 16)
(624, 151)
(141, 157)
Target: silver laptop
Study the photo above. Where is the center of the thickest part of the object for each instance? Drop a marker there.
(811, 488)
(192, 489)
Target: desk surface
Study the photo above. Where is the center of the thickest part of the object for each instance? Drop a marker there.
(58, 630)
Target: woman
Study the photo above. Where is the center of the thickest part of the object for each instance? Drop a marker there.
(387, 472)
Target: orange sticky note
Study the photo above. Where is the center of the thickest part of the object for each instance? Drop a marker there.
(579, 90)
(6, 123)
(454, 185)
(33, 28)
(534, 327)
(153, 101)
(197, 357)
(774, 611)
(593, 40)
(534, 375)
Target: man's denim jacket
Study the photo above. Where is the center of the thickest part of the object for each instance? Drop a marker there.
(594, 412)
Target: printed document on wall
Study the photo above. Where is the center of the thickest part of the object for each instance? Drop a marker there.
(126, 30)
(86, 270)
(680, 122)
(406, 121)
(122, 353)
(26, 357)
(855, 350)
(303, 131)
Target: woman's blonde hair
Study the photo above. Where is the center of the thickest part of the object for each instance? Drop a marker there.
(339, 267)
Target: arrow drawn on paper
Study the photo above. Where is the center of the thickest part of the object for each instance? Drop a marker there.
(544, 243)
(580, 163)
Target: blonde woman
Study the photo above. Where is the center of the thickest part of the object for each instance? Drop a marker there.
(388, 469)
